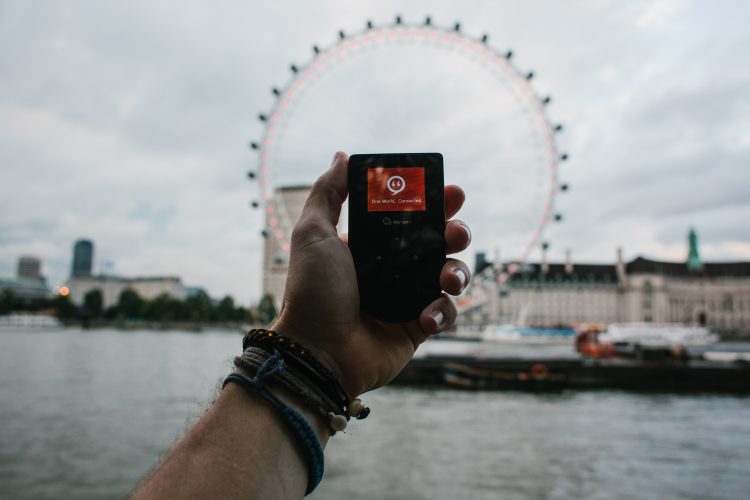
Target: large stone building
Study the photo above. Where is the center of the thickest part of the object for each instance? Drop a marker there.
(112, 286)
(285, 210)
(643, 290)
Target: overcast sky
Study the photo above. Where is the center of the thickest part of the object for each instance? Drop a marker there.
(127, 123)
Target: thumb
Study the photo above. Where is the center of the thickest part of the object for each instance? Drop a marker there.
(323, 205)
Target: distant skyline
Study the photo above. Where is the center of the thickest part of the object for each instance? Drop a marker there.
(127, 124)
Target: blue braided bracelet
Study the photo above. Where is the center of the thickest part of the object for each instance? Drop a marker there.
(306, 437)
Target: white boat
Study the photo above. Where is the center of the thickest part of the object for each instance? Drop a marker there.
(29, 321)
(658, 334)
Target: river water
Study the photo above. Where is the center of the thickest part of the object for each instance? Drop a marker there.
(86, 414)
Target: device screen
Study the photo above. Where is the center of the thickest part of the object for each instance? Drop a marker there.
(396, 189)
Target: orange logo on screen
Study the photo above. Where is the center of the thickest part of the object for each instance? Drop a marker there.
(395, 189)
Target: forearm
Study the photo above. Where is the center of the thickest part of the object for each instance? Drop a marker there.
(240, 448)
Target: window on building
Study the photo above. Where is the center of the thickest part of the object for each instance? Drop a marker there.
(702, 319)
(728, 303)
(647, 295)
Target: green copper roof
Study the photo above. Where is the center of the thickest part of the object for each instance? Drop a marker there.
(694, 262)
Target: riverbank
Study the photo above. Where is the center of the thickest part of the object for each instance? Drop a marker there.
(157, 326)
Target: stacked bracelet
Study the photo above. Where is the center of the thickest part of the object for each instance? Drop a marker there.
(278, 360)
(301, 429)
(316, 377)
(254, 357)
(301, 358)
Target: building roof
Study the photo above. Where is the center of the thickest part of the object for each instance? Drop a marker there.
(111, 277)
(589, 273)
(642, 265)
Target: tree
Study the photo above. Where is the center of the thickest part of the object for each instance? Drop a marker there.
(64, 308)
(130, 304)
(266, 309)
(244, 315)
(199, 307)
(225, 309)
(165, 308)
(92, 302)
(7, 302)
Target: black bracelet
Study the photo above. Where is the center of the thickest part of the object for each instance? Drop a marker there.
(297, 354)
(297, 383)
(305, 435)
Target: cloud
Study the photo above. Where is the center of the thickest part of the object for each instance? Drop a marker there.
(128, 124)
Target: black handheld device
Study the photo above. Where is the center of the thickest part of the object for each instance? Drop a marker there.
(397, 231)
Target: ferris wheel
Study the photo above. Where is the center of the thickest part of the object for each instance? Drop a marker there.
(398, 87)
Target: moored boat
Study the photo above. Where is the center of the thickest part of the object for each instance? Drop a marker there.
(528, 335)
(658, 335)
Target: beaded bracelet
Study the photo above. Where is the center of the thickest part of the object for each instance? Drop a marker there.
(305, 372)
(305, 435)
(299, 355)
(326, 409)
(336, 417)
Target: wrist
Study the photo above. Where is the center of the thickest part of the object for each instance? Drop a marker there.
(306, 334)
(318, 424)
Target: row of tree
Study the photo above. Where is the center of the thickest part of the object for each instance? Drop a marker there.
(198, 308)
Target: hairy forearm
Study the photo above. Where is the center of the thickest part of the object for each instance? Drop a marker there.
(239, 449)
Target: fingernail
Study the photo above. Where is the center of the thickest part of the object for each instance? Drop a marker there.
(468, 231)
(461, 277)
(335, 157)
(437, 316)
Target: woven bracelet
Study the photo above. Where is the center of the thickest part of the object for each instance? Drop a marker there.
(303, 433)
(310, 395)
(301, 357)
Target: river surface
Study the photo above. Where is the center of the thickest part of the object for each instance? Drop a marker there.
(86, 414)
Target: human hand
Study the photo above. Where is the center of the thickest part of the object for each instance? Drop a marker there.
(321, 301)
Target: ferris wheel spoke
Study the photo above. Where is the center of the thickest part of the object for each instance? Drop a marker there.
(396, 88)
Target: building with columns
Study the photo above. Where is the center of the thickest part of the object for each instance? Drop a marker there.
(148, 287)
(716, 295)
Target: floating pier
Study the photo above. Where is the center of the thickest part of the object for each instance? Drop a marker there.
(479, 369)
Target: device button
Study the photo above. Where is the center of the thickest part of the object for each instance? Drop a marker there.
(398, 243)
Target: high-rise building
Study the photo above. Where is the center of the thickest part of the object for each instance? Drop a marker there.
(29, 267)
(83, 258)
